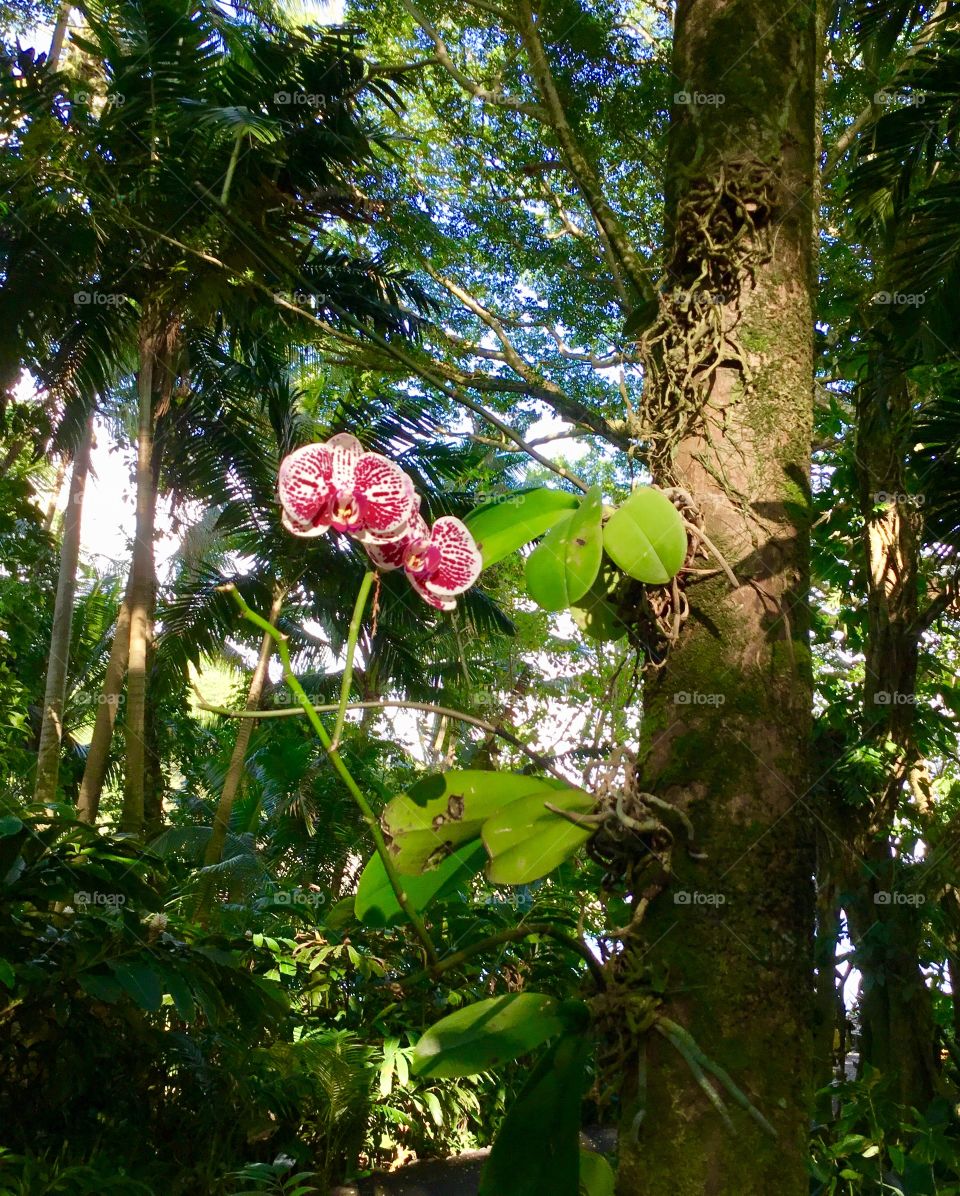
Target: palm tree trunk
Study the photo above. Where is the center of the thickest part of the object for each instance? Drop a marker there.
(51, 728)
(234, 775)
(98, 754)
(142, 585)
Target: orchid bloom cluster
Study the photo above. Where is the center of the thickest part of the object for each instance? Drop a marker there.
(341, 486)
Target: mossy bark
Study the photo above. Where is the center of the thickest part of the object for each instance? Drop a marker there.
(727, 722)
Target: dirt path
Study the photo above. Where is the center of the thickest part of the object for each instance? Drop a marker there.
(457, 1176)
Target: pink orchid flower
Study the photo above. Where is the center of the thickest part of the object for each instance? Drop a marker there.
(440, 562)
(339, 485)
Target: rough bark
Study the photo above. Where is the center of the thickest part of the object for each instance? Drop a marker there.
(727, 723)
(98, 753)
(51, 727)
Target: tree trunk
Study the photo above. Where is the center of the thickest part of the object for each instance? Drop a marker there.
(726, 952)
(59, 36)
(51, 728)
(885, 913)
(234, 775)
(154, 782)
(142, 588)
(98, 754)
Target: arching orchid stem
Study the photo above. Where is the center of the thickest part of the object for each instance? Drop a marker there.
(354, 634)
(396, 882)
(543, 762)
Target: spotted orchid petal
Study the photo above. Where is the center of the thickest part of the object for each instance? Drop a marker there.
(387, 498)
(339, 485)
(393, 555)
(306, 486)
(460, 559)
(304, 531)
(434, 599)
(442, 563)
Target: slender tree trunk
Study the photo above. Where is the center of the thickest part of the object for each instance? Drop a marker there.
(153, 761)
(234, 774)
(51, 728)
(726, 951)
(142, 587)
(885, 911)
(59, 36)
(98, 754)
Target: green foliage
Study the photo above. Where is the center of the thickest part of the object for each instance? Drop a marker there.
(646, 537)
(565, 564)
(485, 1035)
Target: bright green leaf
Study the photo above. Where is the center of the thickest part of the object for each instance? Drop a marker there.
(646, 537)
(482, 1036)
(565, 564)
(596, 1175)
(526, 840)
(505, 524)
(441, 813)
(376, 902)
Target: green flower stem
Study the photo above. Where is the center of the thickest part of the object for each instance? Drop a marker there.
(354, 634)
(344, 773)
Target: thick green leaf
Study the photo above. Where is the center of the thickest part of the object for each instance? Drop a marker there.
(503, 525)
(563, 567)
(482, 1036)
(10, 824)
(441, 813)
(527, 841)
(596, 612)
(376, 902)
(7, 975)
(537, 1150)
(646, 537)
(596, 1175)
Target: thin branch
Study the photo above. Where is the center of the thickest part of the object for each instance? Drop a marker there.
(497, 98)
(513, 935)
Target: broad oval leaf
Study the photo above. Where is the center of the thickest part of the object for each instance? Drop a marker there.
(526, 844)
(440, 813)
(482, 1036)
(376, 903)
(565, 564)
(596, 1175)
(646, 537)
(537, 1149)
(503, 525)
(596, 612)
